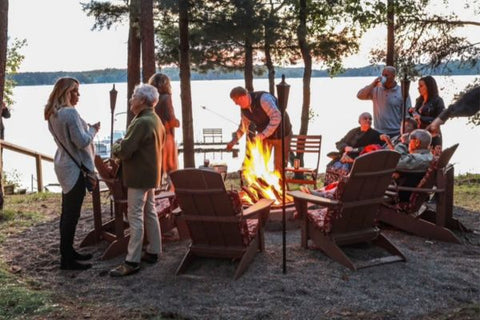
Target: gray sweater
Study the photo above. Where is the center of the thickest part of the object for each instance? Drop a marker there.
(387, 107)
(77, 137)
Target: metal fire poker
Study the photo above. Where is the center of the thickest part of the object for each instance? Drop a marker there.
(225, 118)
(113, 101)
(282, 92)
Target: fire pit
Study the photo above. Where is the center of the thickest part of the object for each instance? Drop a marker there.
(258, 181)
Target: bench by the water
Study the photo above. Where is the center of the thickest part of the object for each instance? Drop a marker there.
(211, 137)
(212, 134)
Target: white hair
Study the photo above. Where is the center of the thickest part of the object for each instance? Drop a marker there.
(147, 92)
(423, 136)
(364, 114)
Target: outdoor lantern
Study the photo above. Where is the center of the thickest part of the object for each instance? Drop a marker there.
(282, 91)
(113, 101)
(405, 90)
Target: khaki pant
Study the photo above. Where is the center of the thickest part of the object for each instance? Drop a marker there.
(141, 206)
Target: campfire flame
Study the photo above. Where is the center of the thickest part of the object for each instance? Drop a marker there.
(261, 182)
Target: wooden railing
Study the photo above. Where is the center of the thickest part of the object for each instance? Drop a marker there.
(37, 155)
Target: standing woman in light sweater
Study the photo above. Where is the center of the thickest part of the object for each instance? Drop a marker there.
(73, 134)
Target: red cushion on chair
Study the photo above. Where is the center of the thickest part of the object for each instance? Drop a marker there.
(248, 227)
(236, 201)
(322, 217)
(162, 205)
(319, 218)
(251, 231)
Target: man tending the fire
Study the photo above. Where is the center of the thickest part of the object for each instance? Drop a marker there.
(261, 109)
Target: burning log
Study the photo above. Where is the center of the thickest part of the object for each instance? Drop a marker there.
(250, 194)
(276, 192)
(261, 193)
(261, 181)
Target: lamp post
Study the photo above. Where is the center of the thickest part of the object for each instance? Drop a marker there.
(113, 101)
(405, 90)
(283, 90)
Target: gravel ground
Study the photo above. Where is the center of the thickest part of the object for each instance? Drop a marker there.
(436, 278)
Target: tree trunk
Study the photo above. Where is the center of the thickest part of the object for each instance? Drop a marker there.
(185, 89)
(248, 71)
(270, 67)
(3, 44)
(3, 65)
(390, 32)
(307, 59)
(148, 39)
(133, 71)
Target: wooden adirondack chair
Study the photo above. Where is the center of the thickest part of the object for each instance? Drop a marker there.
(349, 218)
(115, 231)
(301, 145)
(419, 217)
(218, 226)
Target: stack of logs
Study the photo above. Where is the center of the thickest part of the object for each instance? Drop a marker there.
(260, 189)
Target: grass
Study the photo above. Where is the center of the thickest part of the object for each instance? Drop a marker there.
(21, 298)
(466, 191)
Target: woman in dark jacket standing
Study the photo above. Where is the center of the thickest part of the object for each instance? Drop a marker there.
(428, 106)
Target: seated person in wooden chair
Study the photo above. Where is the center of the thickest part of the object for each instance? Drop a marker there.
(409, 125)
(350, 147)
(414, 160)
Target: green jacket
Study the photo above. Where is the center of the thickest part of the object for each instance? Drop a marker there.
(141, 151)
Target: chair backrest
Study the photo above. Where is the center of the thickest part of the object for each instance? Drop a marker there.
(302, 144)
(210, 213)
(108, 171)
(222, 169)
(429, 180)
(361, 192)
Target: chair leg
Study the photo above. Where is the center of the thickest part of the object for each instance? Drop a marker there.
(330, 248)
(417, 226)
(115, 248)
(186, 261)
(246, 258)
(304, 233)
(261, 239)
(384, 242)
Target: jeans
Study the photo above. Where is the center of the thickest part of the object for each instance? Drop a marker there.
(71, 208)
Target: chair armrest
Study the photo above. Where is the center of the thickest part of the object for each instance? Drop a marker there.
(258, 207)
(106, 180)
(424, 190)
(165, 195)
(177, 211)
(312, 198)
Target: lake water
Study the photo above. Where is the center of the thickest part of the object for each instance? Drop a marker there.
(333, 101)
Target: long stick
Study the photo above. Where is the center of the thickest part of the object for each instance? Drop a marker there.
(218, 114)
(225, 118)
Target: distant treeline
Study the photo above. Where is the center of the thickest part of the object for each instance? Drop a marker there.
(120, 75)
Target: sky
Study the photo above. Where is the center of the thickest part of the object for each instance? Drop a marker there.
(59, 36)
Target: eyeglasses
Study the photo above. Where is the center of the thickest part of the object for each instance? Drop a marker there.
(365, 118)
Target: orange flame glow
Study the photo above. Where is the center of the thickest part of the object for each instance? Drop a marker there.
(260, 180)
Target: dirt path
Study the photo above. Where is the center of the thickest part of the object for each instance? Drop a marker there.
(436, 278)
